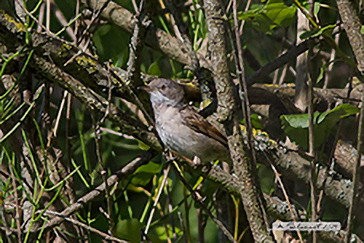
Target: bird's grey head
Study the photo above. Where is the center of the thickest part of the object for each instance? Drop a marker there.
(165, 92)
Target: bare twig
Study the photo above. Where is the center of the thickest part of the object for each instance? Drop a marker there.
(228, 112)
(279, 62)
(197, 198)
(85, 226)
(100, 190)
(166, 172)
(17, 207)
(352, 27)
(243, 93)
(62, 19)
(311, 133)
(182, 226)
(287, 199)
(135, 59)
(60, 110)
(356, 174)
(109, 203)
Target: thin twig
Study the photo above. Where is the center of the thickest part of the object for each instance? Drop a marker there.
(68, 131)
(95, 16)
(331, 160)
(197, 198)
(58, 118)
(182, 226)
(243, 93)
(356, 174)
(353, 27)
(134, 61)
(279, 62)
(243, 89)
(243, 21)
(109, 203)
(85, 226)
(62, 19)
(287, 199)
(170, 209)
(41, 16)
(157, 199)
(48, 16)
(34, 18)
(311, 134)
(17, 207)
(91, 196)
(331, 61)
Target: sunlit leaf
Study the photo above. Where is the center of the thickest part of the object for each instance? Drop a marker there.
(145, 173)
(274, 14)
(154, 69)
(161, 232)
(296, 126)
(316, 32)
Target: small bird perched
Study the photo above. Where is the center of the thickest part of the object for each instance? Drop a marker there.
(181, 128)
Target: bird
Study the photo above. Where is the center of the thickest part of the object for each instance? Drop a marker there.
(181, 128)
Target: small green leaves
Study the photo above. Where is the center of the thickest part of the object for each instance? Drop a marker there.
(154, 69)
(296, 126)
(145, 173)
(270, 16)
(317, 32)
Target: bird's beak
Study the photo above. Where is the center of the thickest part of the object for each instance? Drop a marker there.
(145, 88)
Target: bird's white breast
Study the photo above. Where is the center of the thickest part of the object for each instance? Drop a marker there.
(174, 134)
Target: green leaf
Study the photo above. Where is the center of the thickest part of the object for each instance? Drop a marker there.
(323, 68)
(154, 69)
(316, 8)
(129, 229)
(274, 14)
(256, 121)
(296, 126)
(316, 32)
(142, 145)
(161, 233)
(145, 173)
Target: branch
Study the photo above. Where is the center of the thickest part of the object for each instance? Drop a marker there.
(352, 27)
(291, 54)
(87, 227)
(228, 109)
(127, 170)
(69, 58)
(156, 39)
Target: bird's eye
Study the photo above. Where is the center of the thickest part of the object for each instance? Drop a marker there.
(163, 87)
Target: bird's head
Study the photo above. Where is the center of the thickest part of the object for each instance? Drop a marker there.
(165, 92)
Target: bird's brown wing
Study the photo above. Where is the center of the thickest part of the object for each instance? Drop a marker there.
(196, 122)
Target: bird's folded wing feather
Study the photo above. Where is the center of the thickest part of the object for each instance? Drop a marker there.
(196, 122)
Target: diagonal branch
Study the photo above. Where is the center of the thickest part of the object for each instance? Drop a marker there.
(100, 190)
(228, 110)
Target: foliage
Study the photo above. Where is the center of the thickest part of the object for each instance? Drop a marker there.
(296, 126)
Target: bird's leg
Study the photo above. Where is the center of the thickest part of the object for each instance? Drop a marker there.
(204, 176)
(168, 155)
